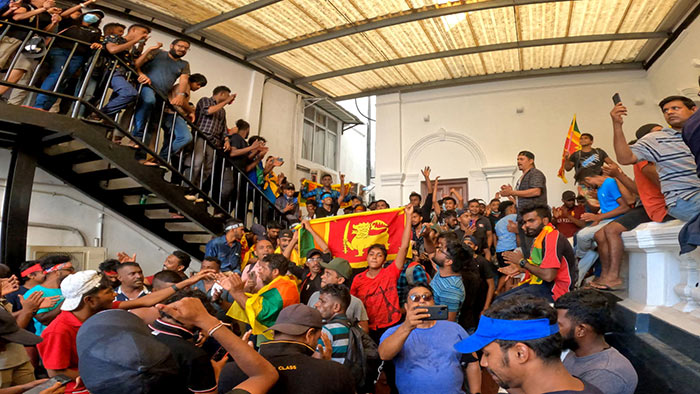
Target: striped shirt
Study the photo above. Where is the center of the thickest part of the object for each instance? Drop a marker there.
(448, 290)
(339, 333)
(674, 163)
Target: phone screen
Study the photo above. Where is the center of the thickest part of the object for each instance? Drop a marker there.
(616, 98)
(220, 353)
(63, 379)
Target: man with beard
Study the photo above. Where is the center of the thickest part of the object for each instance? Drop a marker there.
(521, 346)
(584, 317)
(447, 285)
(260, 309)
(161, 70)
(530, 191)
(550, 271)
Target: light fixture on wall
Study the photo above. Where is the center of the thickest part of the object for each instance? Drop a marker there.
(639, 101)
(426, 118)
(519, 110)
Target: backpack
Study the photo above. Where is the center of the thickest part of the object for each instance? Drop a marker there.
(360, 349)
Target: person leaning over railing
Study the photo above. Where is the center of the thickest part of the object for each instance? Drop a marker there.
(127, 48)
(87, 31)
(40, 14)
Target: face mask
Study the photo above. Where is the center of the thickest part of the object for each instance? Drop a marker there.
(90, 18)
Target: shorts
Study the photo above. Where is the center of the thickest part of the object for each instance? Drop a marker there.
(8, 47)
(633, 218)
(21, 374)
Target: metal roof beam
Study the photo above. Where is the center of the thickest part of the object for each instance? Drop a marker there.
(494, 77)
(230, 15)
(384, 21)
(485, 48)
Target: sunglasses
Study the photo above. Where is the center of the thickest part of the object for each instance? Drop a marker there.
(416, 297)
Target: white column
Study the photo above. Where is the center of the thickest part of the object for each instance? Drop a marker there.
(496, 177)
(391, 186)
(654, 267)
(689, 279)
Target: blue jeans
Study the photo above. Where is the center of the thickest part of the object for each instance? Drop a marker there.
(147, 101)
(57, 58)
(123, 94)
(686, 209)
(182, 135)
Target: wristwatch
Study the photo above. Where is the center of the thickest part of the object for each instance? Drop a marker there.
(522, 263)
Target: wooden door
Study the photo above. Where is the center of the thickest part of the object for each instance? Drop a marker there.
(459, 185)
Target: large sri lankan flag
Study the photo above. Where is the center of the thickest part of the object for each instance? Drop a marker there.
(262, 308)
(571, 145)
(349, 236)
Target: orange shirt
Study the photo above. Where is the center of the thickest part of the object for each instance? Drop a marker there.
(649, 193)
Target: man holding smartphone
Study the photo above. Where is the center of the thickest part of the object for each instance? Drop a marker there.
(422, 348)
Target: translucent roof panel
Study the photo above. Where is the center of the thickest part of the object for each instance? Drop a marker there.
(347, 47)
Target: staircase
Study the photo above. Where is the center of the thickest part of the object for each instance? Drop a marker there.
(80, 153)
(77, 152)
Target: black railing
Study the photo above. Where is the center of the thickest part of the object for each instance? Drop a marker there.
(227, 188)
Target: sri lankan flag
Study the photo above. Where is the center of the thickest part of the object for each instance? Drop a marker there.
(537, 255)
(311, 185)
(262, 308)
(571, 145)
(349, 236)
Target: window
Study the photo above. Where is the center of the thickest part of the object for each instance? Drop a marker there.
(320, 139)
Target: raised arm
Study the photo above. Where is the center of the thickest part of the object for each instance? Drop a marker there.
(460, 199)
(426, 176)
(436, 206)
(405, 239)
(161, 295)
(261, 374)
(623, 153)
(322, 245)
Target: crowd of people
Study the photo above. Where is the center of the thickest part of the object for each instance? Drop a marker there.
(505, 284)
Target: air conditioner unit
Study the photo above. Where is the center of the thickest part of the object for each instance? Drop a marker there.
(83, 257)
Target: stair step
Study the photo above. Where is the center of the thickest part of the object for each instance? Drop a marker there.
(189, 227)
(197, 238)
(91, 166)
(65, 147)
(136, 200)
(120, 183)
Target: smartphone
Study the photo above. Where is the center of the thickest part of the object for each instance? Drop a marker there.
(616, 98)
(63, 379)
(219, 354)
(437, 312)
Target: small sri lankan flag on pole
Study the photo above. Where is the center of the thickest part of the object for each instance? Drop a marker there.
(571, 145)
(349, 236)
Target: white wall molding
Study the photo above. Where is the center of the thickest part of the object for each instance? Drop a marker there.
(445, 136)
(391, 179)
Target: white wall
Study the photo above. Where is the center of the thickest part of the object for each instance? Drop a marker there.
(477, 133)
(679, 67)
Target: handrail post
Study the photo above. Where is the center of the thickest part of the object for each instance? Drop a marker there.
(65, 66)
(86, 81)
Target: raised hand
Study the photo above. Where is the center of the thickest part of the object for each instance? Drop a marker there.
(617, 114)
(426, 172)
(125, 258)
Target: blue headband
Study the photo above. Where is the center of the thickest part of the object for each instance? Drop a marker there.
(324, 195)
(490, 330)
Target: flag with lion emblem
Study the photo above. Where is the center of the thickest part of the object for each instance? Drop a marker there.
(349, 236)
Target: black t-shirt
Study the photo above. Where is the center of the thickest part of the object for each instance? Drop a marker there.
(486, 271)
(196, 371)
(79, 32)
(590, 161)
(322, 212)
(587, 389)
(39, 21)
(469, 312)
(308, 287)
(239, 142)
(299, 373)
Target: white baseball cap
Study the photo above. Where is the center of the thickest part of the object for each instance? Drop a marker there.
(75, 286)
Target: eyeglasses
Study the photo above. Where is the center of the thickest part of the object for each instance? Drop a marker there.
(316, 259)
(416, 297)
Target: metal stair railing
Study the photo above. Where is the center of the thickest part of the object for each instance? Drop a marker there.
(226, 199)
